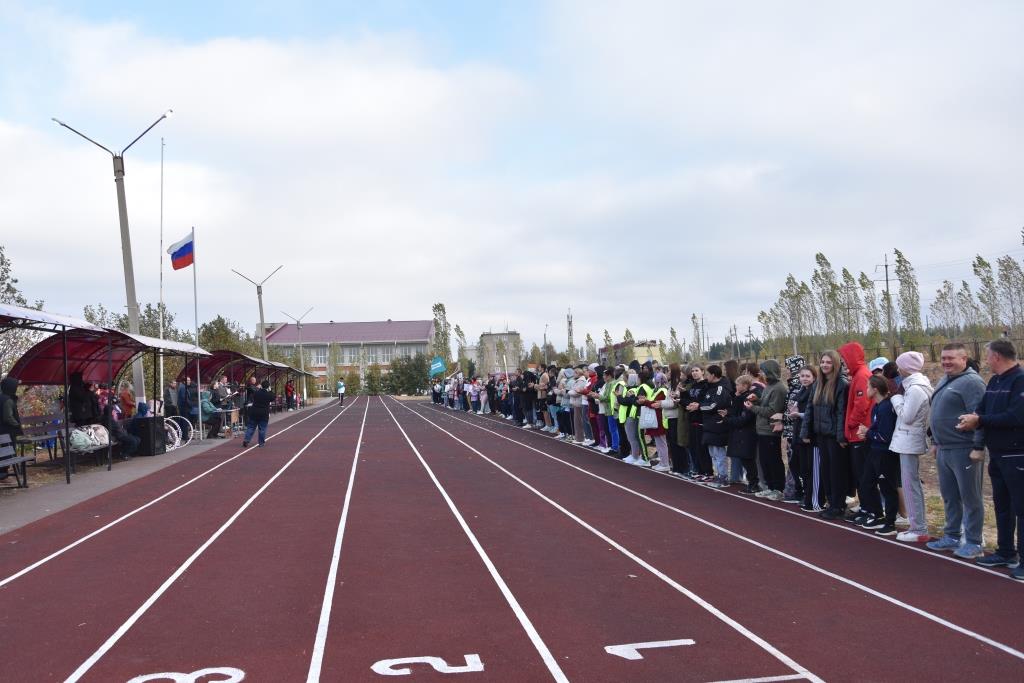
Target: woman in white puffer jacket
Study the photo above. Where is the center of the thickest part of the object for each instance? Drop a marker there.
(910, 440)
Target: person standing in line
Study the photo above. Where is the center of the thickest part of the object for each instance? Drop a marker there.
(609, 411)
(654, 396)
(742, 445)
(822, 425)
(858, 414)
(474, 396)
(882, 465)
(485, 400)
(528, 396)
(768, 413)
(998, 424)
(543, 382)
(700, 460)
(960, 478)
(716, 398)
(628, 407)
(910, 441)
(678, 421)
(815, 485)
(794, 489)
(259, 414)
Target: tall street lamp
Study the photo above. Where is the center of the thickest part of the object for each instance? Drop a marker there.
(259, 297)
(126, 243)
(302, 356)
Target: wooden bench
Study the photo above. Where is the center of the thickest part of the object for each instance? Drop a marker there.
(10, 458)
(41, 429)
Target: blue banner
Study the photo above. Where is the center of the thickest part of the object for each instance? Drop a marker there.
(437, 366)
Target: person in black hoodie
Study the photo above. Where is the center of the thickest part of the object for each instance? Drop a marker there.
(259, 414)
(823, 422)
(716, 397)
(742, 434)
(807, 453)
(83, 404)
(699, 457)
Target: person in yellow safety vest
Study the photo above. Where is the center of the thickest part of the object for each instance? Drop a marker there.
(654, 395)
(629, 408)
(609, 402)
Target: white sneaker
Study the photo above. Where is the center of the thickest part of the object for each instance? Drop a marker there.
(526, 427)
(631, 460)
(588, 442)
(604, 449)
(640, 462)
(661, 468)
(911, 537)
(902, 521)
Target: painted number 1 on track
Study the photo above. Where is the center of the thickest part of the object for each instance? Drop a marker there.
(632, 650)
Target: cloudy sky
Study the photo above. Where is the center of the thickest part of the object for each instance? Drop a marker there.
(636, 162)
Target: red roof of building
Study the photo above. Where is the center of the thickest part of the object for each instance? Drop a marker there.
(353, 333)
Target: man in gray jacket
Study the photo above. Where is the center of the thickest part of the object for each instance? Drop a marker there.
(959, 392)
(768, 412)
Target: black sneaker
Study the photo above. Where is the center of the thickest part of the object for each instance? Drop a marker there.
(245, 444)
(872, 523)
(808, 508)
(858, 518)
(830, 514)
(999, 560)
(886, 530)
(749, 490)
(792, 499)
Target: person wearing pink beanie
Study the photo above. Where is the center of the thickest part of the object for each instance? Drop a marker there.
(910, 440)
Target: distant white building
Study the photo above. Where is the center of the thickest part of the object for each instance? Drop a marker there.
(495, 348)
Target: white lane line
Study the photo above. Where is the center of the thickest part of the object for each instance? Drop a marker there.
(707, 606)
(97, 532)
(531, 631)
(123, 628)
(775, 551)
(907, 547)
(764, 679)
(320, 642)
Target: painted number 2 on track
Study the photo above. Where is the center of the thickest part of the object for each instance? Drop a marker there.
(396, 667)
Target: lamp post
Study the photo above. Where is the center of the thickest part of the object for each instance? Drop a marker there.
(138, 377)
(259, 297)
(302, 356)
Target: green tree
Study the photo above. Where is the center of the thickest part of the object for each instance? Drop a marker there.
(373, 380)
(14, 343)
(674, 353)
(590, 348)
(408, 376)
(988, 294)
(909, 298)
(536, 354)
(352, 383)
(460, 341)
(628, 347)
(872, 313)
(442, 333)
(1011, 291)
(826, 290)
(696, 349)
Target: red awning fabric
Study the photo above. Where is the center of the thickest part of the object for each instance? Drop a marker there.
(98, 354)
(237, 366)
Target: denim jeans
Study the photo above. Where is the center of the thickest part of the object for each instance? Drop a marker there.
(252, 427)
(719, 459)
(613, 432)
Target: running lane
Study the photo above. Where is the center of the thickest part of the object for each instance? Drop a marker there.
(409, 581)
(585, 592)
(66, 608)
(251, 601)
(823, 622)
(29, 544)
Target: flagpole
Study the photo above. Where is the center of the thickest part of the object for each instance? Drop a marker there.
(161, 304)
(195, 303)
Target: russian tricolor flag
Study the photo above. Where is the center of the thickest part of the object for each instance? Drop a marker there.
(181, 252)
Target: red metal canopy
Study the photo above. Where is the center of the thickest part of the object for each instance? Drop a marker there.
(237, 366)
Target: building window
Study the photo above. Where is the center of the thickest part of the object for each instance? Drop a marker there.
(319, 355)
(350, 355)
(386, 353)
(322, 386)
(371, 354)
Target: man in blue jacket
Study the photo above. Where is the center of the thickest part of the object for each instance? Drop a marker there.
(998, 424)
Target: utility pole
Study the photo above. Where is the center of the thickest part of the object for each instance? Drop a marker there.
(703, 337)
(750, 340)
(545, 345)
(572, 349)
(735, 342)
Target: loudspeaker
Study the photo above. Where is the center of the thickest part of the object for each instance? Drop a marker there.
(154, 438)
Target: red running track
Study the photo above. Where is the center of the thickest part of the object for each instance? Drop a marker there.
(397, 537)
